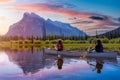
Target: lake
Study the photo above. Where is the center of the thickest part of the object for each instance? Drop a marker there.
(36, 65)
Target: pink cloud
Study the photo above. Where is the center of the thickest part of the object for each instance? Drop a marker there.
(53, 9)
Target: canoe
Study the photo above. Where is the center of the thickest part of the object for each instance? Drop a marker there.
(81, 53)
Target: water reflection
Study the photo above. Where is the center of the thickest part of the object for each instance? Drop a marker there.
(27, 60)
(35, 60)
(98, 66)
(60, 62)
(32, 61)
(99, 62)
(37, 63)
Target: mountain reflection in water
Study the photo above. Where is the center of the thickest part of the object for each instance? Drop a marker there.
(27, 60)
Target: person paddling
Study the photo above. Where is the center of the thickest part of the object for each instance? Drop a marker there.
(59, 45)
(98, 48)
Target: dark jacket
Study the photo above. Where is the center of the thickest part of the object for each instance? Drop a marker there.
(99, 48)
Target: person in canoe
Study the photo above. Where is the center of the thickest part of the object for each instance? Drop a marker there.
(98, 48)
(59, 45)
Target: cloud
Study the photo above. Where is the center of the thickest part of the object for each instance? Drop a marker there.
(6, 1)
(98, 17)
(62, 2)
(58, 9)
(82, 22)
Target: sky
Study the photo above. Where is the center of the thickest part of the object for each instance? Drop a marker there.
(86, 15)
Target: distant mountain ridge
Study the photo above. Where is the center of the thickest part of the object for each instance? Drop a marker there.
(33, 25)
(112, 34)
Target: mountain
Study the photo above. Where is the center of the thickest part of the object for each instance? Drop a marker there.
(33, 25)
(112, 34)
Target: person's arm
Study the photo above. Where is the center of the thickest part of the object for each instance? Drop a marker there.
(91, 49)
(56, 46)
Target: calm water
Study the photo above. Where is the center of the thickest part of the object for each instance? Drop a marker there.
(34, 65)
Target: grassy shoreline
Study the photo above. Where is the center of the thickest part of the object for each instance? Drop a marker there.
(68, 45)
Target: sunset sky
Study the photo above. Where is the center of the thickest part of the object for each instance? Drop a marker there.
(87, 15)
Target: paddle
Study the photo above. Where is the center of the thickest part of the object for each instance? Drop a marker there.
(85, 55)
